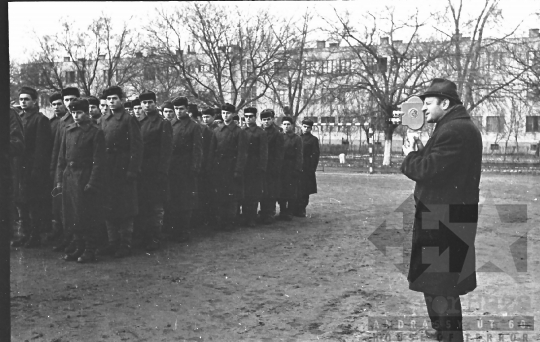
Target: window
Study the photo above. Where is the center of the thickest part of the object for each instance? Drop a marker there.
(312, 118)
(495, 124)
(323, 65)
(531, 124)
(70, 76)
(328, 119)
(249, 93)
(81, 75)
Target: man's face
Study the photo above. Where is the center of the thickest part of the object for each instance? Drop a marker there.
(26, 102)
(129, 110)
(114, 102)
(103, 106)
(168, 113)
(68, 99)
(181, 111)
(137, 110)
(94, 111)
(433, 110)
(148, 105)
(227, 116)
(306, 128)
(267, 122)
(58, 107)
(251, 119)
(287, 126)
(207, 119)
(80, 116)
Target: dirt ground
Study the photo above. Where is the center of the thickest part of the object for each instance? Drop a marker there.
(312, 279)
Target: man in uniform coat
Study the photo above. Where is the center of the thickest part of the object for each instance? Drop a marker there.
(128, 107)
(291, 169)
(94, 111)
(447, 175)
(16, 154)
(184, 170)
(69, 94)
(272, 180)
(33, 203)
(153, 181)
(137, 108)
(205, 211)
(80, 175)
(228, 152)
(168, 110)
(124, 147)
(57, 104)
(308, 180)
(257, 159)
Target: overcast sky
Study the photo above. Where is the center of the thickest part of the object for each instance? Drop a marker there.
(44, 17)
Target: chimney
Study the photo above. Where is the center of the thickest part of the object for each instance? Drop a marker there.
(533, 33)
(321, 44)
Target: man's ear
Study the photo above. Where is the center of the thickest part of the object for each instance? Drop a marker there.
(445, 104)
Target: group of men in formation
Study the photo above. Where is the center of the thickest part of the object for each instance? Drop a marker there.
(139, 171)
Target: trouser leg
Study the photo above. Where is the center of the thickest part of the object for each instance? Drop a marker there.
(268, 207)
(154, 221)
(249, 210)
(24, 219)
(39, 215)
(445, 313)
(227, 213)
(113, 232)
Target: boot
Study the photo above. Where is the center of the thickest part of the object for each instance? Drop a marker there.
(61, 246)
(20, 241)
(71, 247)
(33, 242)
(123, 251)
(110, 249)
(88, 256)
(75, 255)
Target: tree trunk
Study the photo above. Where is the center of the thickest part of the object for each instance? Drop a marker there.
(388, 132)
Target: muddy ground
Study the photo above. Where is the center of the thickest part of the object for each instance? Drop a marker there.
(312, 279)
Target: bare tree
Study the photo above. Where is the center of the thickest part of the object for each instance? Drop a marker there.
(226, 60)
(389, 70)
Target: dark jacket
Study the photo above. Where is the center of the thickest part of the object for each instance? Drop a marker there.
(272, 182)
(81, 162)
(228, 152)
(124, 148)
(35, 176)
(185, 163)
(16, 152)
(257, 159)
(157, 140)
(308, 180)
(62, 123)
(447, 176)
(292, 166)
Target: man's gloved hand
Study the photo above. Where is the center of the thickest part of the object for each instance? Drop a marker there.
(131, 176)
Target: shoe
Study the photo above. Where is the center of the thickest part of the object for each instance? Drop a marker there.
(71, 247)
(88, 256)
(61, 247)
(123, 251)
(152, 246)
(75, 255)
(33, 242)
(110, 249)
(433, 334)
(21, 241)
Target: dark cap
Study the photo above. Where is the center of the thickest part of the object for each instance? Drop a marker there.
(167, 104)
(71, 91)
(147, 96)
(54, 97)
(136, 102)
(252, 110)
(287, 118)
(236, 117)
(208, 111)
(93, 100)
(228, 107)
(180, 101)
(128, 104)
(308, 122)
(30, 91)
(442, 87)
(267, 113)
(103, 97)
(113, 90)
(79, 104)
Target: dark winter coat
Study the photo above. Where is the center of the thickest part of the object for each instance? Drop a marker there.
(447, 176)
(228, 152)
(157, 139)
(292, 166)
(185, 163)
(62, 123)
(308, 180)
(205, 184)
(16, 152)
(272, 182)
(124, 148)
(35, 178)
(81, 162)
(257, 159)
